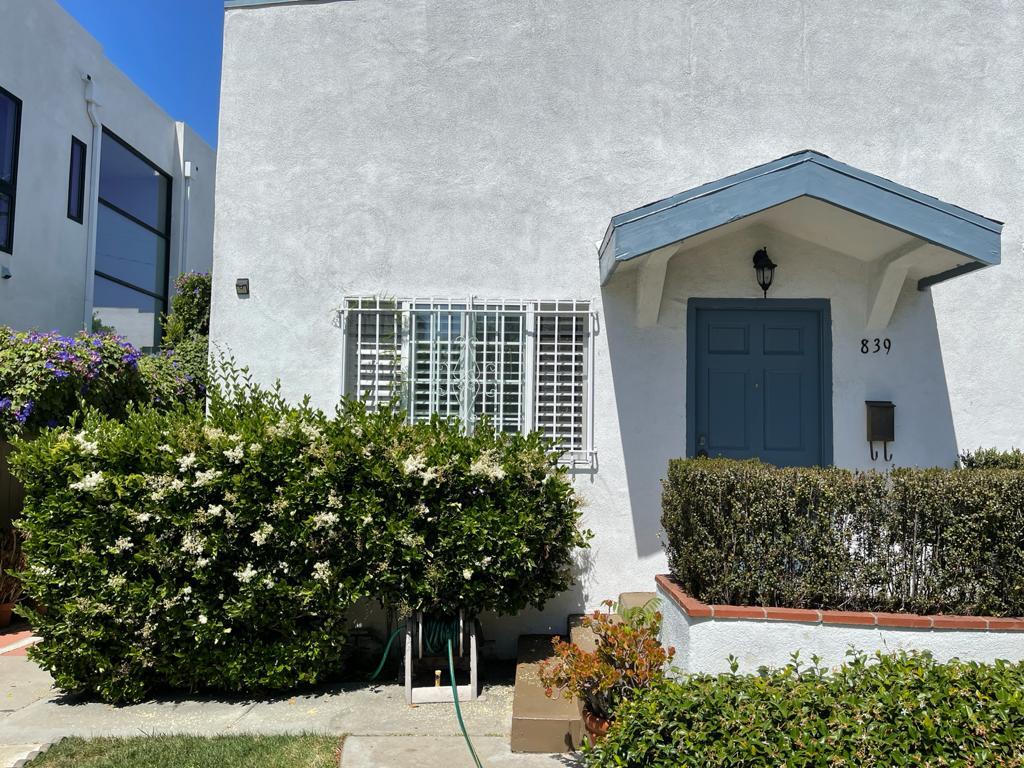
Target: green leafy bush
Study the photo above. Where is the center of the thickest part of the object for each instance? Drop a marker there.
(46, 377)
(173, 550)
(186, 343)
(992, 458)
(881, 711)
(925, 541)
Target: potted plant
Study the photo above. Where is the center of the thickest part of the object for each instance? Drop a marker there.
(11, 560)
(628, 657)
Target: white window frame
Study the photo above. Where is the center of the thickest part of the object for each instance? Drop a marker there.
(530, 334)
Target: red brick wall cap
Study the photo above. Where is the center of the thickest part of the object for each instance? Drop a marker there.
(698, 610)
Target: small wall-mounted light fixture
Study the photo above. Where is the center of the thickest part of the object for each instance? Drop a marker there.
(765, 269)
(242, 286)
(881, 427)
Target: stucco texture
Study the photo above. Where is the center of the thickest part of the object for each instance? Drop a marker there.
(709, 645)
(413, 148)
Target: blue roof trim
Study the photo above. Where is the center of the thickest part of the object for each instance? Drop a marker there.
(809, 174)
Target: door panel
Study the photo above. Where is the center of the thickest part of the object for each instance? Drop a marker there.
(757, 385)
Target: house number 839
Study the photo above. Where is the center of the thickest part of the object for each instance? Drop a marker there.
(874, 346)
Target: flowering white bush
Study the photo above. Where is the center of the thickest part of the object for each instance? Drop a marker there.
(221, 551)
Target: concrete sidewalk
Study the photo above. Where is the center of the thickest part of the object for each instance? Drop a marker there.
(32, 712)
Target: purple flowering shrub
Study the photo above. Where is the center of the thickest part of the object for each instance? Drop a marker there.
(45, 378)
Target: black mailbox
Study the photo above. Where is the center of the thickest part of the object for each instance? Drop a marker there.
(881, 426)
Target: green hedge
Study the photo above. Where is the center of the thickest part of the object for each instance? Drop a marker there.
(992, 458)
(900, 710)
(173, 550)
(924, 541)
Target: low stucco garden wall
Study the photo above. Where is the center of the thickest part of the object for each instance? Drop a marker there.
(705, 636)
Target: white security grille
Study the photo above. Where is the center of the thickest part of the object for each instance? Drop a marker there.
(523, 365)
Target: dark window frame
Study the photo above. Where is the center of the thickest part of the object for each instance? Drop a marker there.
(10, 188)
(77, 195)
(165, 297)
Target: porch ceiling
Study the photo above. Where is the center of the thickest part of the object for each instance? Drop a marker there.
(819, 200)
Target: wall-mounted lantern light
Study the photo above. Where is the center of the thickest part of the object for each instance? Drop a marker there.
(242, 287)
(765, 269)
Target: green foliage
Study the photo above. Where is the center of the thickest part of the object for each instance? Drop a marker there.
(46, 377)
(628, 658)
(173, 550)
(992, 458)
(190, 309)
(897, 710)
(925, 541)
(186, 333)
(306, 751)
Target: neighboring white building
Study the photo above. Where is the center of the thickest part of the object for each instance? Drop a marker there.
(104, 198)
(449, 199)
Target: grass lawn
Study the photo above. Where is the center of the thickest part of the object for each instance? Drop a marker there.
(194, 752)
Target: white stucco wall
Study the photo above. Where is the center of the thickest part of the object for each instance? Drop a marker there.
(417, 148)
(42, 60)
(705, 645)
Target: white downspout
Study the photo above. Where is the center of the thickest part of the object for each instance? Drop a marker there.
(183, 251)
(94, 198)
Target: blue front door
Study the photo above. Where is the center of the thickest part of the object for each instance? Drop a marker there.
(758, 382)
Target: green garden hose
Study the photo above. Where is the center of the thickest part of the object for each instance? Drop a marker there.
(384, 657)
(436, 634)
(458, 709)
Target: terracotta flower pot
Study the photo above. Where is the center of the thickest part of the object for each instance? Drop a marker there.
(596, 726)
(5, 614)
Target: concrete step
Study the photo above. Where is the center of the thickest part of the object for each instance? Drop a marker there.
(541, 724)
(629, 600)
(581, 636)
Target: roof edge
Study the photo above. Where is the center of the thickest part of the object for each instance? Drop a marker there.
(805, 173)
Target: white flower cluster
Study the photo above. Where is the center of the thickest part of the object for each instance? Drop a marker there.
(324, 519)
(261, 535)
(235, 454)
(212, 433)
(414, 464)
(192, 544)
(162, 485)
(185, 463)
(207, 476)
(87, 446)
(246, 574)
(311, 431)
(322, 572)
(90, 482)
(486, 466)
(123, 544)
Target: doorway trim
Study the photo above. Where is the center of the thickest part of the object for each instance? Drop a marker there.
(823, 308)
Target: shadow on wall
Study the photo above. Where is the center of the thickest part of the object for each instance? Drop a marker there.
(914, 378)
(648, 375)
(648, 367)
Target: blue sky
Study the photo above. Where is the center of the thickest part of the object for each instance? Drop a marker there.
(169, 48)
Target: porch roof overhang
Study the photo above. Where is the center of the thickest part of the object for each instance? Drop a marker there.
(916, 234)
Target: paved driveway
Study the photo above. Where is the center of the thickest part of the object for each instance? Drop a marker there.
(383, 730)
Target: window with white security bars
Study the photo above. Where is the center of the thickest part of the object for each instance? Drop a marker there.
(524, 365)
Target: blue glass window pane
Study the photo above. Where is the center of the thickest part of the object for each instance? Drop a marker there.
(128, 313)
(130, 252)
(8, 137)
(133, 185)
(5, 221)
(76, 181)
